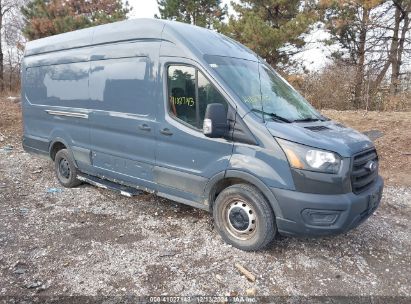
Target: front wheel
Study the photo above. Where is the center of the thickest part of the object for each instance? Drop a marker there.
(244, 218)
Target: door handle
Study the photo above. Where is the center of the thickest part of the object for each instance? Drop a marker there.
(166, 131)
(144, 127)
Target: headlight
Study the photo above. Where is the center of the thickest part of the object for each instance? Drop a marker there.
(308, 158)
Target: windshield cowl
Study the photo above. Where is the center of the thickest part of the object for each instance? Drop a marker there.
(308, 119)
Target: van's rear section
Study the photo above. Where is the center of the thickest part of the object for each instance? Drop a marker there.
(195, 117)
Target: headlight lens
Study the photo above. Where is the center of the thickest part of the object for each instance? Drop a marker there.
(308, 158)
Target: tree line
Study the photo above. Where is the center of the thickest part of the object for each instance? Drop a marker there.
(368, 41)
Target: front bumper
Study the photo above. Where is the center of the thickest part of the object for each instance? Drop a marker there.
(306, 214)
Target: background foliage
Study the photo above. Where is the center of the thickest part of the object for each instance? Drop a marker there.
(50, 17)
(368, 41)
(205, 13)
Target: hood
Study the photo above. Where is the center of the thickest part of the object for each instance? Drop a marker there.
(327, 135)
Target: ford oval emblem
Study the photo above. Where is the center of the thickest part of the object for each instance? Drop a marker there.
(371, 165)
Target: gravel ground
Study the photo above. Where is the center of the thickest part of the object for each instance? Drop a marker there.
(93, 242)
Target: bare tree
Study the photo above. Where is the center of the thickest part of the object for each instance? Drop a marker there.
(391, 45)
(402, 17)
(359, 76)
(374, 36)
(10, 25)
(12, 61)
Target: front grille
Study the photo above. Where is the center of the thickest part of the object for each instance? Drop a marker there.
(362, 177)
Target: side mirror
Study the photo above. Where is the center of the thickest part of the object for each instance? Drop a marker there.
(215, 121)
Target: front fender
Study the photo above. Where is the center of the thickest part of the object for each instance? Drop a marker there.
(249, 178)
(269, 165)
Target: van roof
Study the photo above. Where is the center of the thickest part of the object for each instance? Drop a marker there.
(192, 40)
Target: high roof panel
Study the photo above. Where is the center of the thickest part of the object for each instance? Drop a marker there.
(203, 41)
(191, 39)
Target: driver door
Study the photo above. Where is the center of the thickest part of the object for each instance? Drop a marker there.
(185, 158)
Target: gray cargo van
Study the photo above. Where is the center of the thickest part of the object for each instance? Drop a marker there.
(195, 117)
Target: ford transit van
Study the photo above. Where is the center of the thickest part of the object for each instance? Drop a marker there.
(197, 118)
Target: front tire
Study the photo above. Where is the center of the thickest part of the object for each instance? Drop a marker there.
(65, 169)
(244, 218)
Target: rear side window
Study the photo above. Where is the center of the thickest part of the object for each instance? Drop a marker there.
(122, 85)
(58, 84)
(189, 93)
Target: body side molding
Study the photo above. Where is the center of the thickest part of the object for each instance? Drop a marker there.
(67, 114)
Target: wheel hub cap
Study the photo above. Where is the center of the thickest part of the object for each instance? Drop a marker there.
(241, 218)
(64, 168)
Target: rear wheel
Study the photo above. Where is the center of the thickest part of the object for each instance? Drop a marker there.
(244, 218)
(65, 169)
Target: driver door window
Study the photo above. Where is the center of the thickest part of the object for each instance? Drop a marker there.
(189, 93)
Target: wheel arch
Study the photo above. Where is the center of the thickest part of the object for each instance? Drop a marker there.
(230, 177)
(58, 144)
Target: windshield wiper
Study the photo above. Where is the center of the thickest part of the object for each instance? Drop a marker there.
(323, 118)
(272, 115)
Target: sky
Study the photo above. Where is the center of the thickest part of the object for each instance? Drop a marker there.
(314, 56)
(143, 8)
(148, 8)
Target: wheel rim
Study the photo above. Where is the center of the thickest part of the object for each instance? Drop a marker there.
(64, 168)
(240, 219)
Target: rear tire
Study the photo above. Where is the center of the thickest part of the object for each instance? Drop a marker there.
(65, 169)
(244, 218)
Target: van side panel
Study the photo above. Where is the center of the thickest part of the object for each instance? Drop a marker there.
(123, 111)
(55, 100)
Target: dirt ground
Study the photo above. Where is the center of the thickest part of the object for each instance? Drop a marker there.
(92, 242)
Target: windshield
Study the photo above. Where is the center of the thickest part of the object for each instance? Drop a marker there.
(262, 89)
